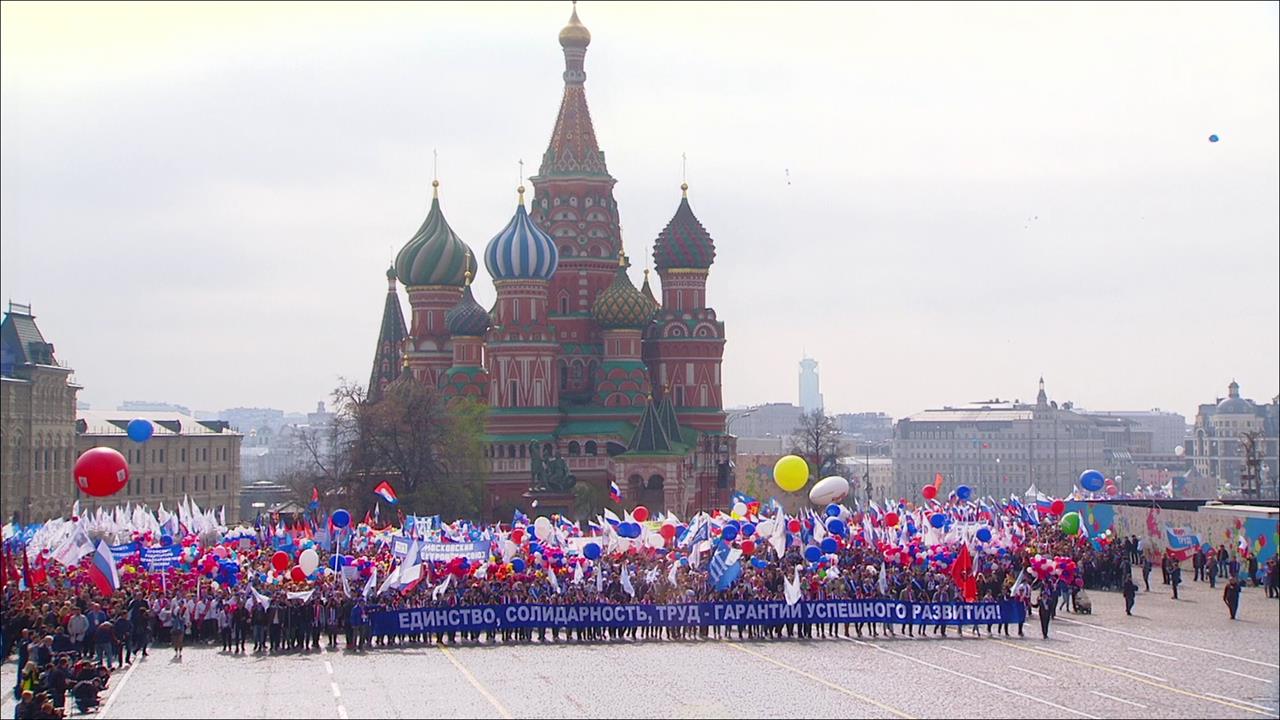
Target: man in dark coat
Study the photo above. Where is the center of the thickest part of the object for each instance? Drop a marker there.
(1231, 596)
(1130, 595)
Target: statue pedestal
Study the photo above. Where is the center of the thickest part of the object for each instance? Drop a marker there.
(548, 502)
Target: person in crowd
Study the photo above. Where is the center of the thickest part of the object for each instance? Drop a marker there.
(1146, 572)
(1231, 596)
(178, 629)
(1175, 575)
(1130, 592)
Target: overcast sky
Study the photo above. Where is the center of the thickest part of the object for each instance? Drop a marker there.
(200, 201)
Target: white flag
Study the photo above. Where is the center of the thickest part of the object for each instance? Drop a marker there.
(577, 573)
(258, 598)
(551, 578)
(671, 574)
(439, 590)
(791, 588)
(626, 581)
(369, 586)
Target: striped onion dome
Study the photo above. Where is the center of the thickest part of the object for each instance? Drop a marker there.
(621, 305)
(521, 251)
(684, 243)
(467, 317)
(435, 255)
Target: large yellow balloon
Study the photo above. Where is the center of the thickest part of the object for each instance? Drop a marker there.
(791, 472)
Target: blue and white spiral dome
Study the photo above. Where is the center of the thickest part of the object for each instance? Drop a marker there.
(521, 251)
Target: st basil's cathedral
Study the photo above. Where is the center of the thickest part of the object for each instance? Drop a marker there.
(572, 360)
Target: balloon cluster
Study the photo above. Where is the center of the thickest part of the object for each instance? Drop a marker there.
(1044, 568)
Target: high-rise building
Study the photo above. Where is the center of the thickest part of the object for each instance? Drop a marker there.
(37, 422)
(572, 360)
(997, 447)
(810, 397)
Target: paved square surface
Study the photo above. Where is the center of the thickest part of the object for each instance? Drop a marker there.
(1182, 659)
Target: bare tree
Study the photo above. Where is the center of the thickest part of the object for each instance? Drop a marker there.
(817, 440)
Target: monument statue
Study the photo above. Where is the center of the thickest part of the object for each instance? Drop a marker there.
(548, 473)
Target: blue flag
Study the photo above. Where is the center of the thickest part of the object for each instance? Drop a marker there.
(723, 572)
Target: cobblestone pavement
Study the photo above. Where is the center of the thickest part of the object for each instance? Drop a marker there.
(1178, 659)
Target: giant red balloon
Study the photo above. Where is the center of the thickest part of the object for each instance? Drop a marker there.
(517, 535)
(929, 492)
(101, 471)
(280, 561)
(1113, 490)
(748, 547)
(641, 513)
(667, 531)
(1057, 507)
(297, 575)
(891, 519)
(793, 525)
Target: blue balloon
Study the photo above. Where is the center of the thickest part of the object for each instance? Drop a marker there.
(748, 530)
(1092, 480)
(591, 551)
(166, 540)
(938, 520)
(964, 492)
(1213, 138)
(729, 532)
(833, 510)
(684, 561)
(633, 530)
(517, 564)
(829, 545)
(812, 553)
(534, 548)
(984, 534)
(140, 430)
(836, 526)
(758, 563)
(341, 518)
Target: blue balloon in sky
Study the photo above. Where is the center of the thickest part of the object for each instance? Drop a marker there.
(1213, 138)
(729, 532)
(591, 551)
(964, 492)
(984, 534)
(937, 520)
(812, 553)
(140, 430)
(829, 545)
(1092, 480)
(341, 518)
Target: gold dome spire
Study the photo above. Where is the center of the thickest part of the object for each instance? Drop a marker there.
(575, 34)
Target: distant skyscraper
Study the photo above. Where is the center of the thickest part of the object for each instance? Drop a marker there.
(810, 398)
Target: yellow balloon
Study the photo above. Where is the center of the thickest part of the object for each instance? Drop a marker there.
(791, 473)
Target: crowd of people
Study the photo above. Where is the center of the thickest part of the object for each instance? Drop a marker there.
(69, 636)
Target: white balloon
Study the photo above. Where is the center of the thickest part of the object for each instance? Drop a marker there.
(764, 528)
(655, 540)
(1179, 451)
(309, 560)
(829, 490)
(543, 528)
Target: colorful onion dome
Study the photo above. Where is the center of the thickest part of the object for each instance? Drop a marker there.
(684, 243)
(435, 255)
(467, 317)
(575, 34)
(521, 251)
(621, 305)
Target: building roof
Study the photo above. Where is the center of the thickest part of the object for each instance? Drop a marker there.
(386, 358)
(21, 342)
(621, 305)
(467, 318)
(115, 422)
(649, 436)
(521, 250)
(971, 414)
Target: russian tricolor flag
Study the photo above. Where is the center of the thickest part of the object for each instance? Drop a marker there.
(103, 570)
(386, 492)
(615, 493)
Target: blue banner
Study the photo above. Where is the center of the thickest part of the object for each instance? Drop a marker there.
(748, 612)
(160, 558)
(477, 551)
(120, 552)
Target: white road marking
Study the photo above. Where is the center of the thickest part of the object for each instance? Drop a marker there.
(476, 684)
(1242, 702)
(978, 680)
(960, 652)
(328, 667)
(342, 712)
(815, 678)
(336, 692)
(1148, 652)
(1170, 642)
(1251, 677)
(123, 681)
(1119, 700)
(1072, 635)
(1136, 672)
(1030, 672)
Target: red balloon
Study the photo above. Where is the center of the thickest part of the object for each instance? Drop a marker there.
(929, 492)
(748, 547)
(794, 525)
(667, 531)
(296, 574)
(891, 519)
(641, 513)
(280, 561)
(1058, 507)
(101, 471)
(1113, 490)
(517, 535)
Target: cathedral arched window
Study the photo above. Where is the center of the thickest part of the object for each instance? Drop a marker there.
(574, 448)
(591, 447)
